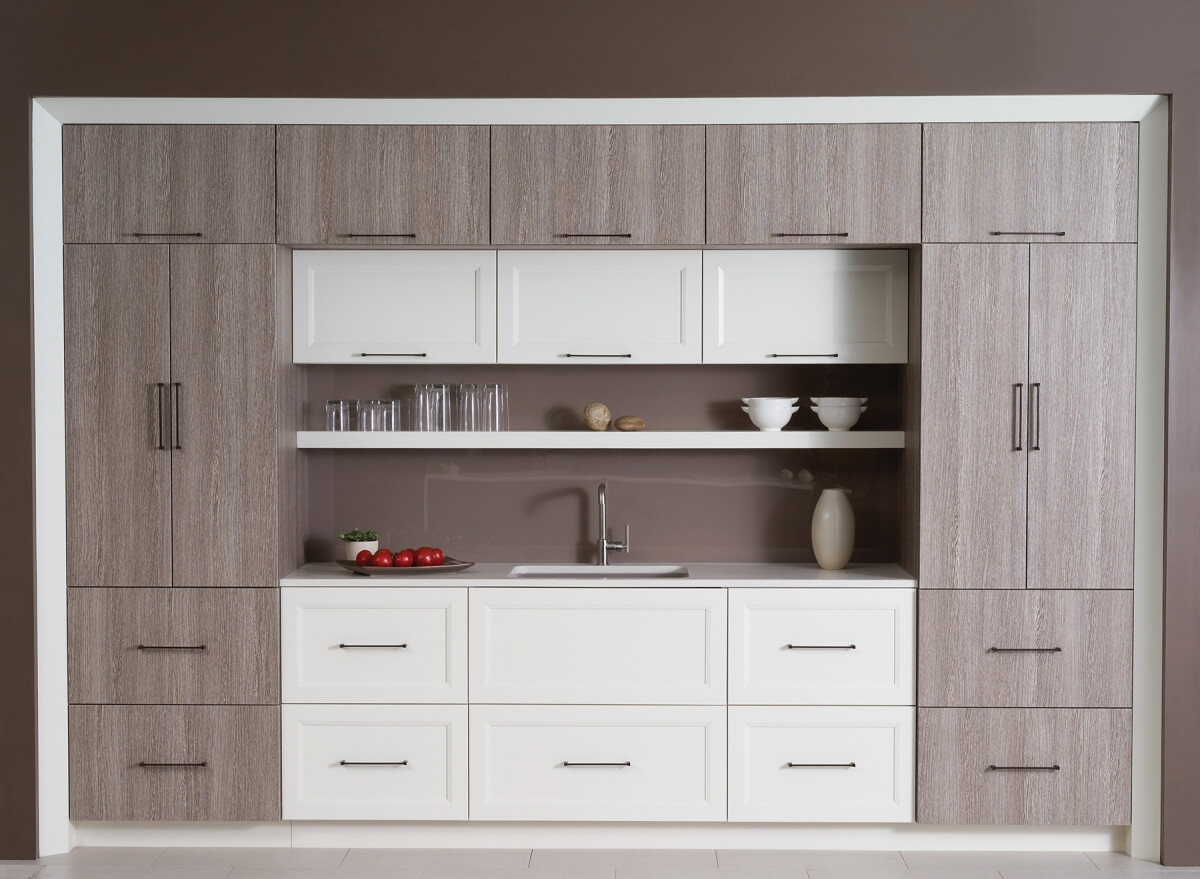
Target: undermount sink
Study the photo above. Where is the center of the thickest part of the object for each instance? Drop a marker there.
(604, 572)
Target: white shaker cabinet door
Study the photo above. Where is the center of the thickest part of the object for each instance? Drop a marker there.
(805, 306)
(616, 306)
(391, 306)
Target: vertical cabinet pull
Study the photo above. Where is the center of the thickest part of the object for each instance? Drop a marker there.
(1018, 412)
(1035, 417)
(175, 386)
(162, 446)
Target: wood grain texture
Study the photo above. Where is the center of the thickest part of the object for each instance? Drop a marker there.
(223, 355)
(645, 181)
(1092, 747)
(910, 460)
(240, 744)
(292, 504)
(1079, 178)
(1082, 350)
(1094, 630)
(862, 180)
(430, 181)
(218, 180)
(117, 348)
(239, 629)
(974, 342)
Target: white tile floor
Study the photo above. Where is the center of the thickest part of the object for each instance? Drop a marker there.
(326, 863)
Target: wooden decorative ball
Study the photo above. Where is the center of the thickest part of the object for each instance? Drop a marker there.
(629, 422)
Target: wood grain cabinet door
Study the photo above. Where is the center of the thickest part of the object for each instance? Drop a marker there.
(974, 340)
(117, 373)
(224, 389)
(579, 185)
(805, 184)
(146, 183)
(1082, 363)
(383, 184)
(1059, 182)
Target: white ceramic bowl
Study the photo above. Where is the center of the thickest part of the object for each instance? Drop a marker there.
(838, 401)
(770, 402)
(839, 417)
(771, 418)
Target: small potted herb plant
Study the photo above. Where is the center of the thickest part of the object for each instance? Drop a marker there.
(356, 541)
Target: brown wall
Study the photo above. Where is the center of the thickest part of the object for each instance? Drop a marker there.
(621, 48)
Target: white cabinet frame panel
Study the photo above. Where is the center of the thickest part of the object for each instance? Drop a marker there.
(805, 306)
(655, 763)
(821, 646)
(595, 646)
(401, 762)
(372, 623)
(616, 306)
(392, 306)
(848, 764)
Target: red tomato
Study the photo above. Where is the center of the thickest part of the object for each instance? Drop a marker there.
(425, 557)
(439, 557)
(364, 557)
(382, 558)
(404, 558)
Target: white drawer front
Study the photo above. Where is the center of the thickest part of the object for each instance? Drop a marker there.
(664, 764)
(619, 306)
(374, 762)
(597, 646)
(821, 646)
(846, 764)
(389, 306)
(374, 645)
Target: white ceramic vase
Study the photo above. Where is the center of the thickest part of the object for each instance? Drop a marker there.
(354, 547)
(833, 529)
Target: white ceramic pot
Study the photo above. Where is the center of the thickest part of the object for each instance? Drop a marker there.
(838, 417)
(833, 529)
(354, 547)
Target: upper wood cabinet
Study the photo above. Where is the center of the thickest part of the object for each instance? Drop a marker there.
(598, 184)
(383, 184)
(1070, 181)
(166, 183)
(800, 184)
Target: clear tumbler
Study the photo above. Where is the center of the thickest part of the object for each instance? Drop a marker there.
(495, 407)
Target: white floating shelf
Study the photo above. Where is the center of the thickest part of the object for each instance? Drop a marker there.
(608, 440)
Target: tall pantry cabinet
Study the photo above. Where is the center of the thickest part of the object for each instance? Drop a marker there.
(177, 370)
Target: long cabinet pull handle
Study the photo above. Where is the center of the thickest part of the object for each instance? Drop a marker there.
(627, 356)
(380, 235)
(372, 763)
(819, 647)
(1035, 417)
(172, 647)
(380, 646)
(810, 234)
(593, 234)
(571, 765)
(167, 234)
(850, 765)
(161, 388)
(176, 387)
(994, 768)
(802, 355)
(203, 764)
(1024, 650)
(1057, 234)
(1018, 415)
(399, 354)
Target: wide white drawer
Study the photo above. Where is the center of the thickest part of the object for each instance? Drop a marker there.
(595, 763)
(821, 646)
(598, 646)
(374, 644)
(374, 762)
(821, 764)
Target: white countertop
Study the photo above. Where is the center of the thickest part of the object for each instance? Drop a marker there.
(700, 575)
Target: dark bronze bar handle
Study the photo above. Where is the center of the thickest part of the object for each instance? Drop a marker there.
(390, 646)
(802, 355)
(161, 387)
(994, 768)
(1018, 395)
(810, 234)
(626, 356)
(1024, 650)
(380, 235)
(201, 765)
(1035, 416)
(1058, 234)
(593, 234)
(176, 387)
(819, 647)
(172, 647)
(820, 765)
(570, 765)
(401, 354)
(369, 763)
(167, 234)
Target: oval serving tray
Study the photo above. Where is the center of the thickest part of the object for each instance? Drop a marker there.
(370, 571)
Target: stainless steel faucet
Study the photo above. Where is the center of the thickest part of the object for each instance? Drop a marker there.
(604, 546)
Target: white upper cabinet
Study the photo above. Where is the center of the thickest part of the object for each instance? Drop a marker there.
(622, 306)
(806, 306)
(389, 306)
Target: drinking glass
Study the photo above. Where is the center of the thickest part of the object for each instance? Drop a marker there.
(431, 407)
(495, 407)
(468, 407)
(337, 414)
